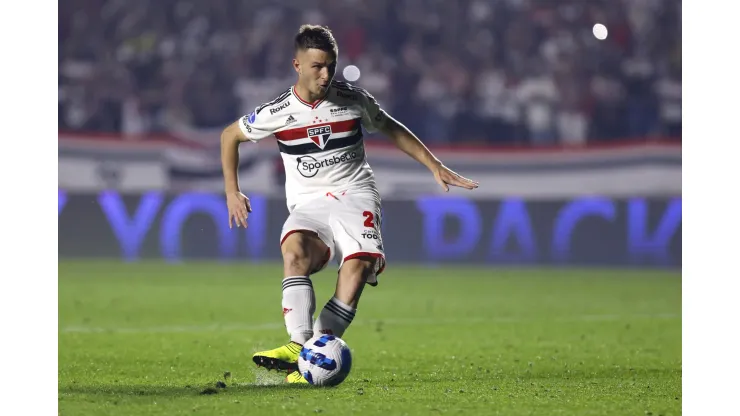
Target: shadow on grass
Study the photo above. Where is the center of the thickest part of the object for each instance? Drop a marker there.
(174, 391)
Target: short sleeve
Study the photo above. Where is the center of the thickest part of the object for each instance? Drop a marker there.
(373, 116)
(254, 126)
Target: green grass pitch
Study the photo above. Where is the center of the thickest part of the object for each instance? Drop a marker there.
(154, 339)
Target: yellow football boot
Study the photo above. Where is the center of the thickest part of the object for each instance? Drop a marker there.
(283, 358)
(296, 378)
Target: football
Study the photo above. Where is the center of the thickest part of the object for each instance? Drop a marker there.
(325, 360)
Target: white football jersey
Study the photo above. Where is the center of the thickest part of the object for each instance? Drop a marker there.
(321, 143)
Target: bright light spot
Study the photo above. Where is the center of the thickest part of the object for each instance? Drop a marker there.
(351, 73)
(600, 31)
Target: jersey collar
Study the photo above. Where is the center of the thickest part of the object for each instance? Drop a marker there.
(314, 104)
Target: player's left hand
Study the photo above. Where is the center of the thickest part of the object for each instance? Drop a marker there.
(446, 177)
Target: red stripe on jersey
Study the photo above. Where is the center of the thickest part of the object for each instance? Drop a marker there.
(302, 132)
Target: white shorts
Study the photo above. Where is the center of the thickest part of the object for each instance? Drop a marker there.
(347, 222)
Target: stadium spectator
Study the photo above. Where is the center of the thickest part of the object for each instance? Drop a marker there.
(495, 72)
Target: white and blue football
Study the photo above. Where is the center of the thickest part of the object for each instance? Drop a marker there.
(325, 360)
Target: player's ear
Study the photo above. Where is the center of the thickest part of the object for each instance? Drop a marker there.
(296, 65)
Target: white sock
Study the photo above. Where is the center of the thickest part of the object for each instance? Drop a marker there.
(334, 318)
(299, 304)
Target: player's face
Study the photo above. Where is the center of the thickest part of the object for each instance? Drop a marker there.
(316, 69)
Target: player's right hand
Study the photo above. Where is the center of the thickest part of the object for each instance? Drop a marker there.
(239, 208)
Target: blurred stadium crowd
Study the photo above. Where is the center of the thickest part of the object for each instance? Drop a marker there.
(487, 71)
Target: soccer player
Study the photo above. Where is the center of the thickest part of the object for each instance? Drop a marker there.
(332, 198)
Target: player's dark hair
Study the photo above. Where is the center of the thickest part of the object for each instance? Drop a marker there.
(316, 37)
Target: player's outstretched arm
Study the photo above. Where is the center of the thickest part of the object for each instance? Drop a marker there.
(237, 203)
(405, 140)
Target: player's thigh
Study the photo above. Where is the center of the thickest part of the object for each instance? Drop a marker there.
(306, 239)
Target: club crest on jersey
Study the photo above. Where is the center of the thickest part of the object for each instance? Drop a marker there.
(319, 135)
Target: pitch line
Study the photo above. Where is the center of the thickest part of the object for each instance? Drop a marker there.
(236, 327)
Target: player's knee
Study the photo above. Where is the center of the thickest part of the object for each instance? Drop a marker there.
(296, 261)
(360, 267)
(298, 254)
